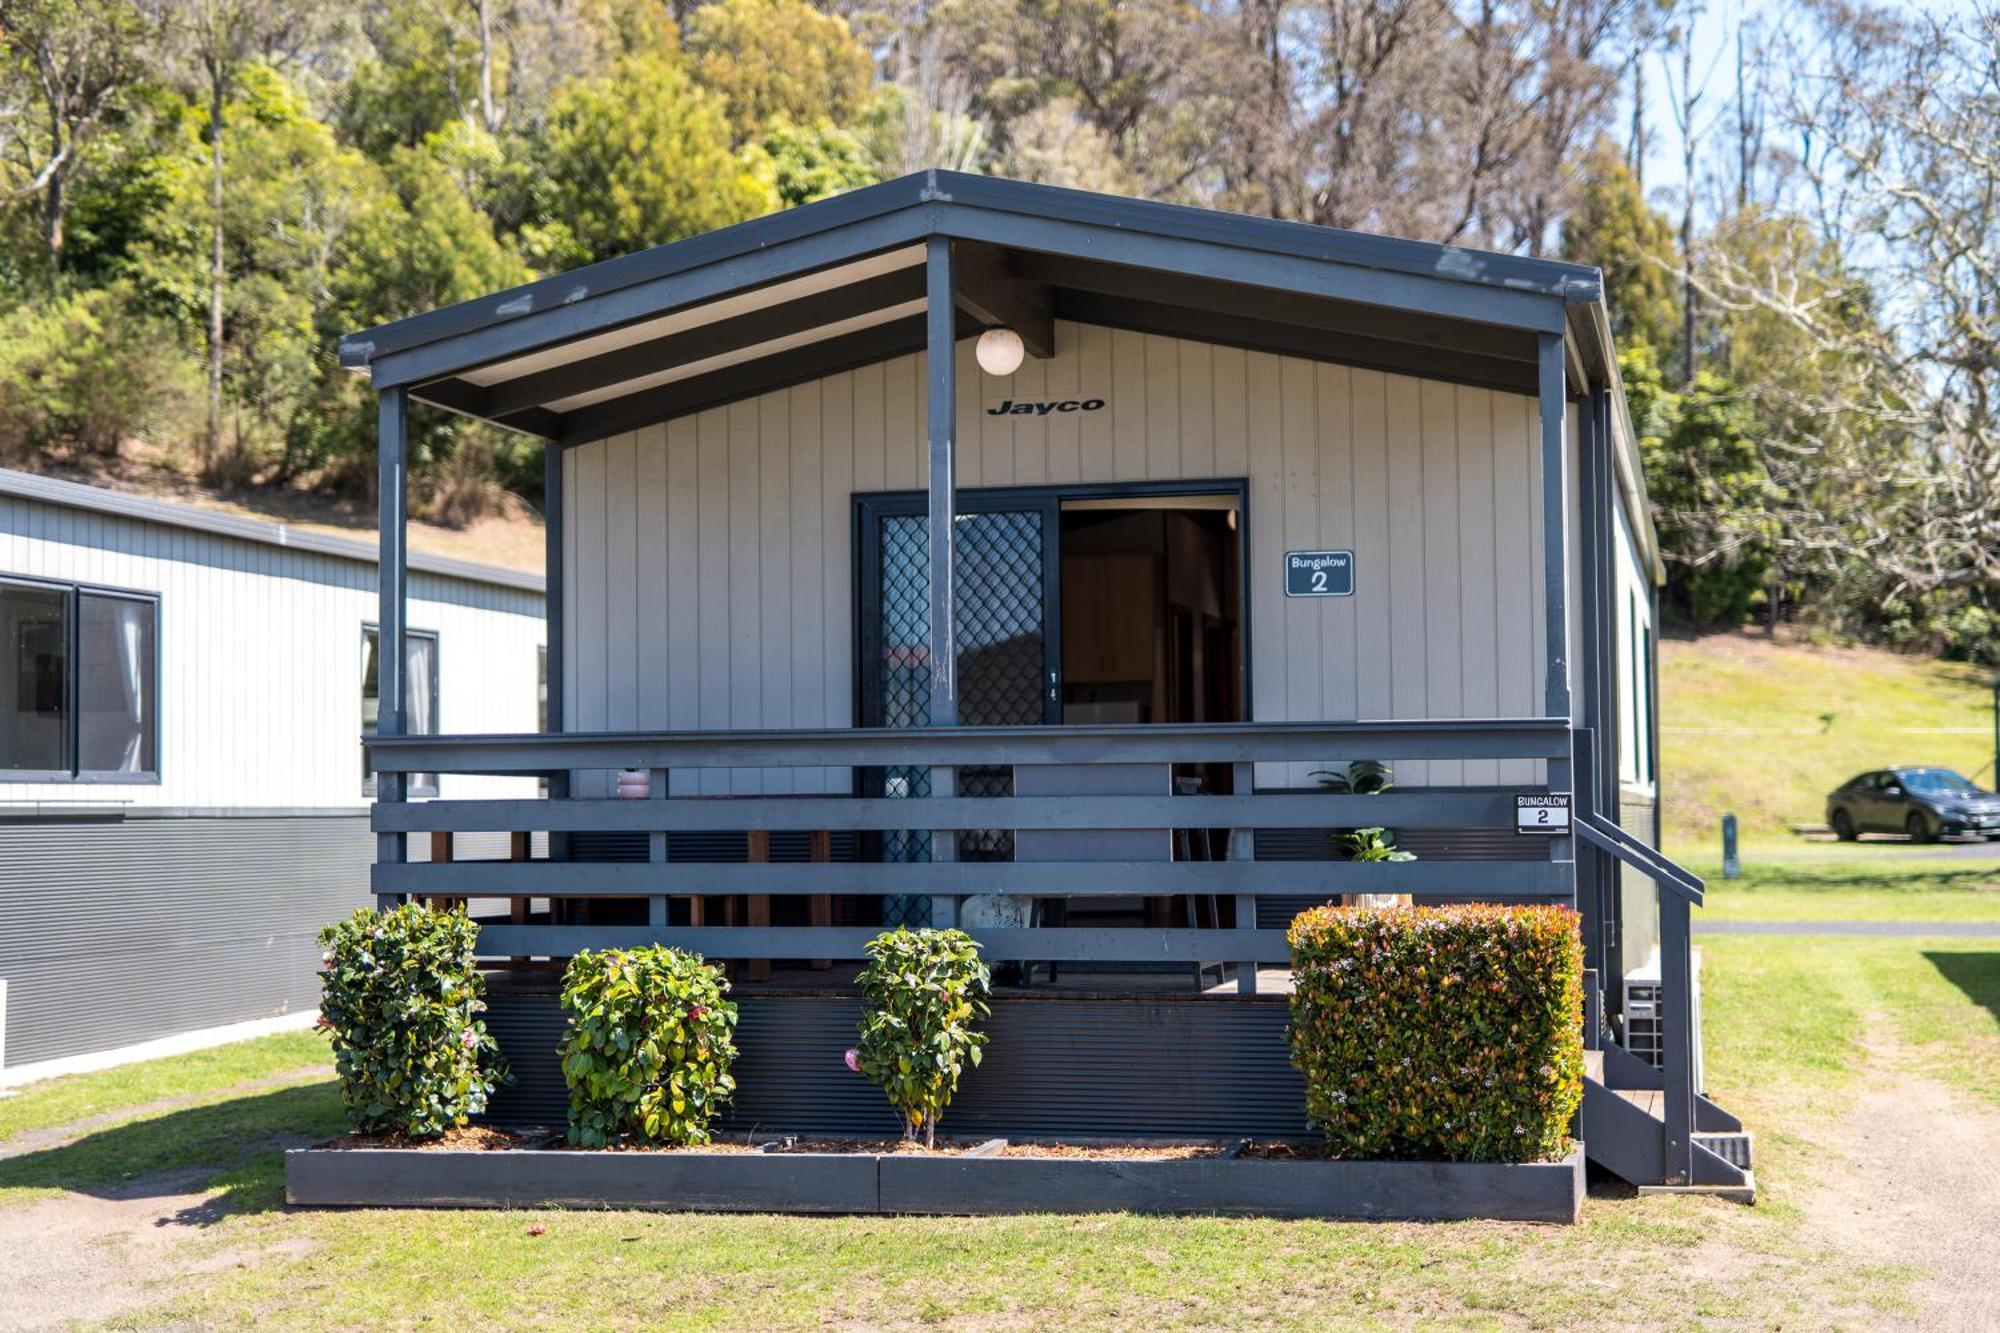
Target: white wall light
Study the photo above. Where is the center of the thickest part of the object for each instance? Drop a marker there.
(1000, 351)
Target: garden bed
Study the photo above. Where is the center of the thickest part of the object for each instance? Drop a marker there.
(971, 1179)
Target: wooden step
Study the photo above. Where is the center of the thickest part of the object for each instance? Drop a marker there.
(1593, 1064)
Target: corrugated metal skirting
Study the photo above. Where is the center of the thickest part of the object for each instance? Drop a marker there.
(1056, 1066)
(122, 931)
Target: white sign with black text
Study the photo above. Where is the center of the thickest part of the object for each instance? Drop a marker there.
(1542, 814)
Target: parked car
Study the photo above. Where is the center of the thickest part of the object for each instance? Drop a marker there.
(1926, 803)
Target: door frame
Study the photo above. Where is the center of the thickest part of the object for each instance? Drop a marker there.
(870, 507)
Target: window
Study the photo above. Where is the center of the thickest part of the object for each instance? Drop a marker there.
(80, 681)
(420, 684)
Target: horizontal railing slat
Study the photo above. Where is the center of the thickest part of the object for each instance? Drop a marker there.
(1496, 880)
(1402, 810)
(1056, 944)
(1233, 742)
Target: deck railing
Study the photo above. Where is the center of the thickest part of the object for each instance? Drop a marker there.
(565, 760)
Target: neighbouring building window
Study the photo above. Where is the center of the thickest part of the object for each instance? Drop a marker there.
(80, 681)
(420, 676)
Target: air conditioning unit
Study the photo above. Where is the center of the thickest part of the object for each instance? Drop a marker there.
(1645, 1015)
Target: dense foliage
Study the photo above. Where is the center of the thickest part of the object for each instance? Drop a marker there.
(649, 1046)
(401, 998)
(1439, 1033)
(925, 990)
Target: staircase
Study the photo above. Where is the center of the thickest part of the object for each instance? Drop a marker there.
(1650, 1125)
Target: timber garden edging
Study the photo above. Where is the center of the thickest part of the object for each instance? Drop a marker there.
(953, 1185)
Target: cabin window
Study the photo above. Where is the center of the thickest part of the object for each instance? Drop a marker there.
(81, 683)
(420, 676)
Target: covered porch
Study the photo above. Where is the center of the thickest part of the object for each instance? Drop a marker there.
(702, 372)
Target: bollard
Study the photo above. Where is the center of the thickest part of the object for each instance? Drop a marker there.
(1732, 868)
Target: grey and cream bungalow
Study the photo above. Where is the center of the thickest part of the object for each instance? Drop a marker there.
(967, 551)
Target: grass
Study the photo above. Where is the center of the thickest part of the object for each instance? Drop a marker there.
(1865, 882)
(1765, 730)
(1786, 1022)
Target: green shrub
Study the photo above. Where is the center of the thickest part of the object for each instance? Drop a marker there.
(87, 372)
(1439, 1033)
(400, 994)
(649, 1047)
(924, 988)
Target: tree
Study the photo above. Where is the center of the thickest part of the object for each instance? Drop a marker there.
(801, 165)
(637, 159)
(64, 66)
(778, 60)
(1611, 226)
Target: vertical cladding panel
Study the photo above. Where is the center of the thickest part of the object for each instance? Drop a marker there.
(122, 931)
(621, 594)
(1443, 592)
(259, 655)
(746, 628)
(1433, 486)
(1478, 571)
(651, 587)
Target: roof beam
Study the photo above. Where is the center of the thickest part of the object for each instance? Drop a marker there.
(764, 375)
(707, 340)
(1221, 298)
(1343, 348)
(989, 293)
(467, 398)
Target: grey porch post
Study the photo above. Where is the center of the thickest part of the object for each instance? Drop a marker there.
(941, 415)
(1555, 516)
(392, 563)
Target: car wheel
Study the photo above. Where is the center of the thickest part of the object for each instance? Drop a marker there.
(1843, 826)
(1919, 828)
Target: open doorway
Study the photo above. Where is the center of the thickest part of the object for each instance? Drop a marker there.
(1151, 609)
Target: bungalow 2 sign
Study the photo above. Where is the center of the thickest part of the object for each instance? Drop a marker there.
(1041, 407)
(1319, 573)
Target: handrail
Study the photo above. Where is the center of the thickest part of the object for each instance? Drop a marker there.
(1228, 742)
(1608, 837)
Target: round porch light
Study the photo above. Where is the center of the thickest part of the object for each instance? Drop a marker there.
(1000, 351)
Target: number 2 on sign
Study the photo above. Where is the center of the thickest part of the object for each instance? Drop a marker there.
(1319, 580)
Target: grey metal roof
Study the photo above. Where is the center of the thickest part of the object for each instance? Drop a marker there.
(836, 284)
(74, 495)
(1389, 254)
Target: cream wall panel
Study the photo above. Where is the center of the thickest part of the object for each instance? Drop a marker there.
(259, 653)
(1435, 487)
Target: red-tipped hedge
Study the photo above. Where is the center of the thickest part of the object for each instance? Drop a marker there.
(1439, 1033)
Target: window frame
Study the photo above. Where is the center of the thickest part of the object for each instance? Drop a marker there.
(368, 627)
(73, 593)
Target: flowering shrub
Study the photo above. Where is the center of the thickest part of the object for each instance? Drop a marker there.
(1439, 1033)
(924, 989)
(649, 1046)
(400, 995)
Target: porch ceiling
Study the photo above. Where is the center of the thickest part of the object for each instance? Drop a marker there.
(839, 284)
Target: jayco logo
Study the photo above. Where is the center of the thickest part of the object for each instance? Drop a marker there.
(1009, 408)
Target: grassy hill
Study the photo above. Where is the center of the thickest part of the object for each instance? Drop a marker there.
(1765, 729)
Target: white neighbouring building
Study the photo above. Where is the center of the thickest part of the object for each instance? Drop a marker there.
(183, 799)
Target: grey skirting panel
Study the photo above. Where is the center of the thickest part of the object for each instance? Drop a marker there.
(122, 931)
(1057, 1066)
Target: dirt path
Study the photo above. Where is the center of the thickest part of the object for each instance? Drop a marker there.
(1919, 1184)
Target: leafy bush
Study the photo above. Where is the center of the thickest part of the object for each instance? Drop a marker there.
(649, 1046)
(924, 989)
(399, 992)
(1373, 844)
(86, 372)
(1439, 1033)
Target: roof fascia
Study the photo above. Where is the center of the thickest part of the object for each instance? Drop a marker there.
(144, 509)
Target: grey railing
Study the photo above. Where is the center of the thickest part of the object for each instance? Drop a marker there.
(1679, 891)
(563, 759)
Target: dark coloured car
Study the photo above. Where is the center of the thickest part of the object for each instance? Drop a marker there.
(1925, 803)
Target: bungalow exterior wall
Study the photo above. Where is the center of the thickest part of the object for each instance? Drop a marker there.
(709, 572)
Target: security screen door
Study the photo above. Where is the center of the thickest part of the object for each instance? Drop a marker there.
(1008, 658)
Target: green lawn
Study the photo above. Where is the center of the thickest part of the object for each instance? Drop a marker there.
(1836, 882)
(1766, 730)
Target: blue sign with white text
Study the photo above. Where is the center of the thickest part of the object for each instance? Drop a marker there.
(1319, 573)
